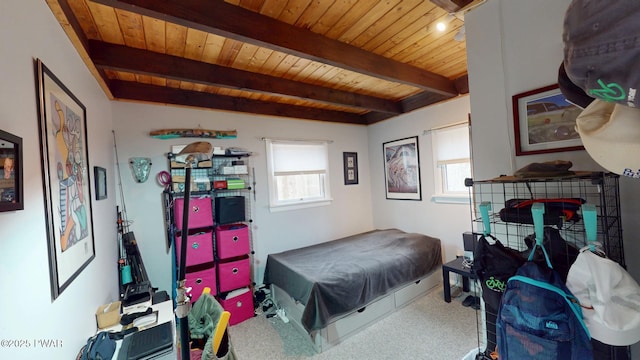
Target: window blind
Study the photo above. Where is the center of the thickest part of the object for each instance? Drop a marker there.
(290, 157)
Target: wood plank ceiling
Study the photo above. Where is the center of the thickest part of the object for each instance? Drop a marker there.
(347, 61)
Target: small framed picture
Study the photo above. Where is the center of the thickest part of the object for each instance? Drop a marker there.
(350, 160)
(100, 174)
(11, 190)
(544, 122)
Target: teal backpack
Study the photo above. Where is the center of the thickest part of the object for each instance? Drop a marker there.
(539, 318)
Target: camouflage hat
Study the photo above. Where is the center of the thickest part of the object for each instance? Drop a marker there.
(602, 47)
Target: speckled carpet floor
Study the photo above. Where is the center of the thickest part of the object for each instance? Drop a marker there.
(427, 329)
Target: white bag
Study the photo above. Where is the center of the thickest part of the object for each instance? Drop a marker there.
(609, 296)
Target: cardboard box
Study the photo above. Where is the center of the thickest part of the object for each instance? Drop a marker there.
(199, 165)
(226, 170)
(240, 169)
(217, 150)
(195, 186)
(108, 315)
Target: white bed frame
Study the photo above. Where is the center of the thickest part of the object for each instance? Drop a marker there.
(340, 329)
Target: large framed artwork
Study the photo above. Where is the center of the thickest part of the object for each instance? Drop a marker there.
(11, 190)
(544, 122)
(66, 179)
(402, 169)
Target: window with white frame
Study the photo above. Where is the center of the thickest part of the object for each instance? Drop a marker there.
(298, 173)
(452, 162)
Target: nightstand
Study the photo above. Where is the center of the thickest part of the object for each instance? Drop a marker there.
(457, 267)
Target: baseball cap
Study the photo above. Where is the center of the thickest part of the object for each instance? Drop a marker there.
(572, 92)
(601, 48)
(611, 135)
(609, 297)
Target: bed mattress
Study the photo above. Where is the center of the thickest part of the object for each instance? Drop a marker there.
(337, 277)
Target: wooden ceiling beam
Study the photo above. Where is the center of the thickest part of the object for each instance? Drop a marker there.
(452, 6)
(421, 100)
(129, 90)
(462, 84)
(223, 19)
(70, 24)
(409, 104)
(122, 58)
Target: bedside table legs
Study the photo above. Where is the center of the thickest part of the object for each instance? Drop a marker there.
(446, 285)
(465, 284)
(457, 267)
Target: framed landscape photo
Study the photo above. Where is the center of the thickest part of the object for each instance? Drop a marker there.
(350, 162)
(402, 169)
(11, 190)
(66, 180)
(544, 122)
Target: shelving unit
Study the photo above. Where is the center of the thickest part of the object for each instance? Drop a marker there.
(219, 248)
(596, 188)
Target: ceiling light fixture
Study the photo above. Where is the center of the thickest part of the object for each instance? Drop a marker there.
(442, 25)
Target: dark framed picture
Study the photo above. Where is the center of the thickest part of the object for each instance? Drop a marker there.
(100, 175)
(544, 122)
(11, 190)
(66, 180)
(350, 162)
(402, 169)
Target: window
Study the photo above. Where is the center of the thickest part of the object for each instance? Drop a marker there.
(452, 162)
(298, 173)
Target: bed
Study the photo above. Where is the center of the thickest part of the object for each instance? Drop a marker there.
(331, 290)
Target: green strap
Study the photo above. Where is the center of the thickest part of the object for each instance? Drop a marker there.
(574, 304)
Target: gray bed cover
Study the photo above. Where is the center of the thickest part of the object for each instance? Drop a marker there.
(336, 277)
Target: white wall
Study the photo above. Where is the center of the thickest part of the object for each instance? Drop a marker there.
(29, 31)
(349, 213)
(444, 221)
(515, 46)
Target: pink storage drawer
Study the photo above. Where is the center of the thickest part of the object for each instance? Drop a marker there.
(232, 240)
(233, 274)
(198, 280)
(199, 248)
(240, 307)
(200, 212)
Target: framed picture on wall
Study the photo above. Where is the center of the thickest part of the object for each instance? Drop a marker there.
(544, 122)
(66, 179)
(350, 162)
(11, 190)
(402, 169)
(100, 175)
